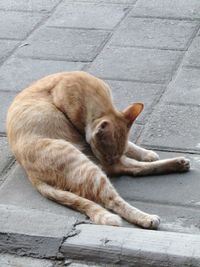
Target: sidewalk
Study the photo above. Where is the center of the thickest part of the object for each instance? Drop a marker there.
(146, 50)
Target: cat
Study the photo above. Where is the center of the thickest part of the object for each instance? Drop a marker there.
(68, 136)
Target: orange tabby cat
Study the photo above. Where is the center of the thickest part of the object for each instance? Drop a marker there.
(66, 133)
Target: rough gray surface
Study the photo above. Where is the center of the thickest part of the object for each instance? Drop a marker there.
(87, 15)
(132, 92)
(30, 245)
(5, 155)
(183, 89)
(30, 5)
(6, 47)
(181, 9)
(156, 33)
(6, 99)
(64, 44)
(15, 219)
(18, 182)
(12, 24)
(168, 189)
(192, 57)
(149, 65)
(153, 194)
(133, 247)
(174, 217)
(7, 260)
(108, 1)
(30, 70)
(175, 127)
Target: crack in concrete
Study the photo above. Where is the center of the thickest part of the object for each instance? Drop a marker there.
(73, 232)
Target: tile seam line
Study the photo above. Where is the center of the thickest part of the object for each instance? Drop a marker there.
(26, 11)
(160, 203)
(164, 83)
(191, 66)
(154, 103)
(134, 81)
(188, 19)
(10, 39)
(148, 47)
(170, 149)
(79, 28)
(170, 103)
(40, 23)
(126, 13)
(51, 59)
(5, 172)
(101, 3)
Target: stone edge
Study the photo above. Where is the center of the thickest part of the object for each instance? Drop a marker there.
(132, 247)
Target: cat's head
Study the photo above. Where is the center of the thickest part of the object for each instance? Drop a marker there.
(108, 135)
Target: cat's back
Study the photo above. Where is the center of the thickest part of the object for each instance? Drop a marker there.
(34, 111)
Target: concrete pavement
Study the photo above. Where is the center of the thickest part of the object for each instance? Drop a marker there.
(146, 50)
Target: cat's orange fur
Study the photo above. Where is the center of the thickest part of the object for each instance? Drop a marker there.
(66, 133)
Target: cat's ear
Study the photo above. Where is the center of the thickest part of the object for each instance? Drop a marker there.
(103, 130)
(132, 112)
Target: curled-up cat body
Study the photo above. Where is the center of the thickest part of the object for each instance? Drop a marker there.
(68, 136)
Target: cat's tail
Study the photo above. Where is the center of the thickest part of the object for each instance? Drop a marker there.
(95, 212)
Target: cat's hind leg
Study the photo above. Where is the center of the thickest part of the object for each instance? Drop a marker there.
(59, 170)
(95, 212)
(67, 176)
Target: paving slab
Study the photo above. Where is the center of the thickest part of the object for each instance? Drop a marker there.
(34, 222)
(135, 64)
(175, 198)
(173, 127)
(12, 24)
(64, 44)
(17, 182)
(124, 93)
(17, 73)
(6, 99)
(87, 15)
(173, 189)
(185, 88)
(133, 247)
(192, 57)
(5, 155)
(156, 33)
(31, 5)
(174, 217)
(7, 260)
(135, 132)
(108, 1)
(180, 9)
(6, 47)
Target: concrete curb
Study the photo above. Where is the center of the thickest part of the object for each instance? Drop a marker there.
(132, 247)
(33, 233)
(29, 232)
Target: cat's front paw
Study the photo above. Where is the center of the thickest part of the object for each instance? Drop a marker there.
(182, 164)
(150, 156)
(150, 222)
